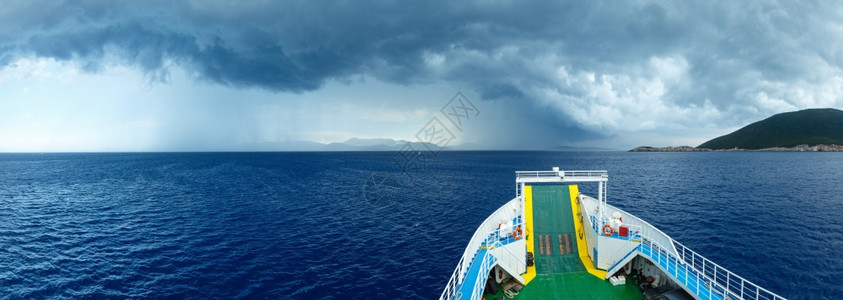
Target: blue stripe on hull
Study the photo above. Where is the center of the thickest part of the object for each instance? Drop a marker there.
(467, 287)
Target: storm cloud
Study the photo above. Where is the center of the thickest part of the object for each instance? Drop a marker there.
(600, 67)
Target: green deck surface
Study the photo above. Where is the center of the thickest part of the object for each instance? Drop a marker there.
(562, 276)
(577, 285)
(552, 217)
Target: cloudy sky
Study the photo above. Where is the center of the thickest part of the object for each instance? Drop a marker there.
(224, 75)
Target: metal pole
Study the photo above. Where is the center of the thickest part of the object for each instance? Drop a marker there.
(600, 196)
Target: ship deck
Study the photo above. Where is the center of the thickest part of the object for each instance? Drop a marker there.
(560, 272)
(561, 234)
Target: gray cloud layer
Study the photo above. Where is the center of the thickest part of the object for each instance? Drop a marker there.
(599, 67)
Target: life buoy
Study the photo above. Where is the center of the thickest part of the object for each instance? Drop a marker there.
(607, 230)
(518, 233)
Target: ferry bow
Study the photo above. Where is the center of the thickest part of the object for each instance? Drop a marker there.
(550, 241)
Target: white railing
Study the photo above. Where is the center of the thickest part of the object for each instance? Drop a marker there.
(734, 285)
(507, 212)
(535, 174)
(504, 256)
(707, 271)
(450, 291)
(508, 260)
(719, 282)
(633, 236)
(643, 228)
(617, 260)
(486, 264)
(586, 174)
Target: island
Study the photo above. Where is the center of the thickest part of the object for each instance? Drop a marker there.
(809, 130)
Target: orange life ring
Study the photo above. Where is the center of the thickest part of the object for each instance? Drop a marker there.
(518, 233)
(607, 230)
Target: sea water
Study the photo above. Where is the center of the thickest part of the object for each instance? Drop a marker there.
(363, 225)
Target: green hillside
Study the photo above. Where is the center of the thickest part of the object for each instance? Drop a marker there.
(810, 127)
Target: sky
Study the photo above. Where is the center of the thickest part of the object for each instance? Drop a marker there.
(269, 75)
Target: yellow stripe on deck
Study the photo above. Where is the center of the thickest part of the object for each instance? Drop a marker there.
(530, 240)
(581, 245)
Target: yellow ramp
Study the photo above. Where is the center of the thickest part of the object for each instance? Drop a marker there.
(581, 245)
(528, 218)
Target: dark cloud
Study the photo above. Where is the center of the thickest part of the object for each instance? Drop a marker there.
(297, 46)
(591, 63)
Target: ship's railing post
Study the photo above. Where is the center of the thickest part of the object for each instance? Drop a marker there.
(727, 281)
(698, 280)
(714, 277)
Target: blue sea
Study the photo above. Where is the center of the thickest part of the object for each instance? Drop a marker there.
(380, 225)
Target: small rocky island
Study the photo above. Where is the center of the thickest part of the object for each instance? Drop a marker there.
(669, 149)
(810, 130)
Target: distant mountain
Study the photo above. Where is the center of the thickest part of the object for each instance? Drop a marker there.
(577, 149)
(284, 146)
(358, 142)
(378, 144)
(347, 147)
(804, 127)
(386, 144)
(353, 144)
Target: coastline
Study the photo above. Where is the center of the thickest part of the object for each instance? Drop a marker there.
(798, 148)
